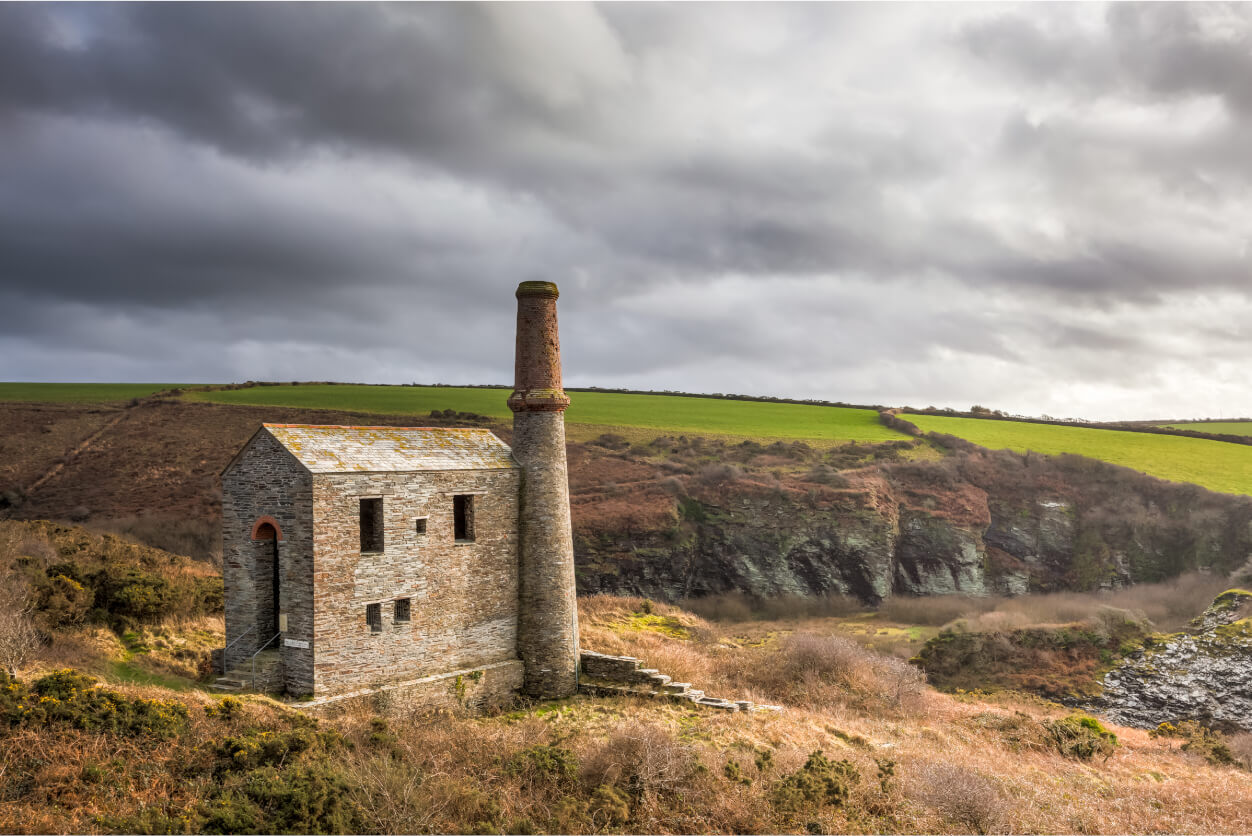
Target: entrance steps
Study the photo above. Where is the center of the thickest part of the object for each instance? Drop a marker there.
(624, 676)
(269, 674)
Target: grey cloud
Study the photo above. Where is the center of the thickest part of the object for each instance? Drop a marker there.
(896, 197)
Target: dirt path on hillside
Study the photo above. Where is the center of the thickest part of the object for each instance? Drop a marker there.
(75, 451)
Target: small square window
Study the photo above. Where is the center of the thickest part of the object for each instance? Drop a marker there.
(421, 525)
(401, 611)
(374, 617)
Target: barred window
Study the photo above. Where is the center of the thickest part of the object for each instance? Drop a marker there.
(374, 617)
(401, 612)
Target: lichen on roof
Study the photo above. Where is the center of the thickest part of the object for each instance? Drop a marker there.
(330, 449)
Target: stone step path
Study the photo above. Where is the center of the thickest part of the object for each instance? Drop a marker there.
(609, 676)
(239, 678)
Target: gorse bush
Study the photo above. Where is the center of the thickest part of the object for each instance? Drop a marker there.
(820, 783)
(1081, 737)
(69, 699)
(1209, 744)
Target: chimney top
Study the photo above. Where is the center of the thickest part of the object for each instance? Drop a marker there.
(537, 289)
(537, 364)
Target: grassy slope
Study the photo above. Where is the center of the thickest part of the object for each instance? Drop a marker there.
(1220, 427)
(927, 762)
(660, 413)
(1211, 464)
(78, 392)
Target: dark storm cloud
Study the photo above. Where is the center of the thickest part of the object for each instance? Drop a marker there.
(879, 203)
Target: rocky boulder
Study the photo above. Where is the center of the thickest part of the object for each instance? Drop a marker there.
(1205, 675)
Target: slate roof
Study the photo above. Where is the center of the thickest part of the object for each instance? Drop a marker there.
(375, 449)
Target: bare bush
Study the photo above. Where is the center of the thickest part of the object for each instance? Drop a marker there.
(190, 536)
(644, 759)
(733, 606)
(736, 606)
(717, 474)
(19, 640)
(967, 797)
(934, 610)
(1240, 746)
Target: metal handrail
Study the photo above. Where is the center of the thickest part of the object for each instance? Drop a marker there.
(258, 652)
(226, 652)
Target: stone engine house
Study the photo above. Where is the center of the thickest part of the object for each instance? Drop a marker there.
(435, 561)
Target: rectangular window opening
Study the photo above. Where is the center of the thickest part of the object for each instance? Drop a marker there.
(372, 525)
(421, 525)
(374, 617)
(463, 518)
(401, 612)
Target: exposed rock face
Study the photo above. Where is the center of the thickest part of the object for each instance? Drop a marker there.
(975, 523)
(1206, 676)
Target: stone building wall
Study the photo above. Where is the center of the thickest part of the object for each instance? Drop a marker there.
(267, 481)
(463, 596)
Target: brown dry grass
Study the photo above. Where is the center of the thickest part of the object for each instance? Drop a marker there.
(932, 764)
(1168, 605)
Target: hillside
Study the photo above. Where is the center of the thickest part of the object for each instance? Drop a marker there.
(680, 516)
(136, 744)
(593, 412)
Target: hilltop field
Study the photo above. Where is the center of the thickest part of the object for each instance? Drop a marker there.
(1215, 465)
(1228, 427)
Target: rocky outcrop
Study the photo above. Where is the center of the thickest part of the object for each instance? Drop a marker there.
(975, 523)
(1204, 676)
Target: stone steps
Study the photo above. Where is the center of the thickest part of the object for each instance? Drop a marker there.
(623, 676)
(239, 678)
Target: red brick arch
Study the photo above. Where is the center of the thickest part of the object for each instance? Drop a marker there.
(256, 527)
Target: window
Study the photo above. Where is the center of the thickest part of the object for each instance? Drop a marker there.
(421, 525)
(400, 614)
(374, 617)
(463, 518)
(372, 525)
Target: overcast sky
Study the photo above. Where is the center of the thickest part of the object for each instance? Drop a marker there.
(1044, 208)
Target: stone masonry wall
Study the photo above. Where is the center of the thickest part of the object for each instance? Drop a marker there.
(464, 596)
(266, 480)
(548, 641)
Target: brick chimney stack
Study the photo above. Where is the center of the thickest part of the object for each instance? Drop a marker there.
(548, 620)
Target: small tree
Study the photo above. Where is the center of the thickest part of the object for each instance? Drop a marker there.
(18, 637)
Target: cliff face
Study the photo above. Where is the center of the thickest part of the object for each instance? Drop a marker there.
(1204, 676)
(975, 523)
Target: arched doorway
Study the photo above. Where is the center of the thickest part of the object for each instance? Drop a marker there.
(265, 539)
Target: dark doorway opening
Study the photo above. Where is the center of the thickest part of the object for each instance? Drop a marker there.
(268, 580)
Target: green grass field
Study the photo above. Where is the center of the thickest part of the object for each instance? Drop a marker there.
(1221, 427)
(78, 392)
(1215, 465)
(655, 413)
